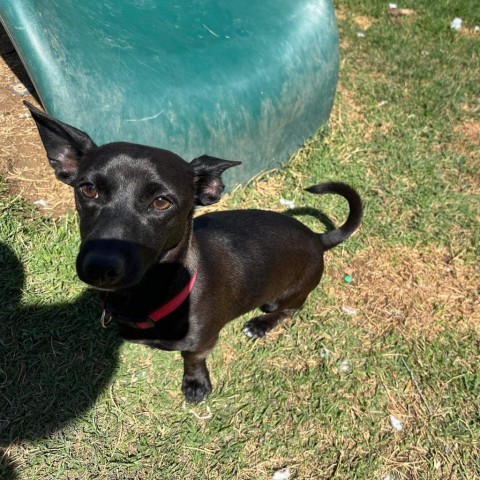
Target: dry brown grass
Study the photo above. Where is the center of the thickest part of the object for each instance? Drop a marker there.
(349, 118)
(347, 110)
(415, 291)
(467, 135)
(466, 143)
(363, 22)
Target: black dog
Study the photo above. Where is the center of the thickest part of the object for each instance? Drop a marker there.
(172, 282)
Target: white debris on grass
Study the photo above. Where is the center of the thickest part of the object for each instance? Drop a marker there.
(345, 366)
(206, 416)
(287, 203)
(283, 474)
(138, 375)
(392, 6)
(325, 353)
(456, 24)
(41, 203)
(396, 423)
(349, 311)
(20, 89)
(361, 34)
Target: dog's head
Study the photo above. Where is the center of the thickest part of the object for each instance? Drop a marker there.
(134, 202)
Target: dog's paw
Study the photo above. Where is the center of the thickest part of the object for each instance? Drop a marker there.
(255, 328)
(196, 390)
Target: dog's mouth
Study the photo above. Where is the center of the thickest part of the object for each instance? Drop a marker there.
(109, 264)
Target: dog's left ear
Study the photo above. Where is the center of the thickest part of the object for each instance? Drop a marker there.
(208, 181)
(65, 145)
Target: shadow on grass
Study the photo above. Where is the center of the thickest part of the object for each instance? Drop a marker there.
(54, 361)
(311, 212)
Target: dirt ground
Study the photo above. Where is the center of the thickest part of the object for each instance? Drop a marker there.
(22, 158)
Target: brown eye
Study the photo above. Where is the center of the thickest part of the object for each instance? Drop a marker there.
(161, 203)
(89, 190)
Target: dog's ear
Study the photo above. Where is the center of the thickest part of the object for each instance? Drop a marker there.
(208, 181)
(65, 145)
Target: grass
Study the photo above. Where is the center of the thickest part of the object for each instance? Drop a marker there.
(317, 395)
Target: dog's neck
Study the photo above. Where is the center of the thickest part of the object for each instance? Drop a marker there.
(165, 279)
(185, 253)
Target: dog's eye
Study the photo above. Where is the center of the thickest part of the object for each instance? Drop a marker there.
(89, 190)
(161, 203)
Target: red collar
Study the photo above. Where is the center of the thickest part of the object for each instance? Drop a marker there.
(156, 315)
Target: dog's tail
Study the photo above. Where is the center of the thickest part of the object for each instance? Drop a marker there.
(334, 237)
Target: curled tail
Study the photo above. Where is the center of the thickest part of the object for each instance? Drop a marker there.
(334, 237)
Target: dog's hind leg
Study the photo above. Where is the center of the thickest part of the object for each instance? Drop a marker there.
(280, 309)
(259, 326)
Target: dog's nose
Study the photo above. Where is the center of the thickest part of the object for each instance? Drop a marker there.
(112, 264)
(101, 270)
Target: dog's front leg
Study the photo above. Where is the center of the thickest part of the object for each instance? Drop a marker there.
(196, 384)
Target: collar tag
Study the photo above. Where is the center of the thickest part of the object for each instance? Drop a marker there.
(106, 318)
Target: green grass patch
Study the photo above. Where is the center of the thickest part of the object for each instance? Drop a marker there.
(319, 394)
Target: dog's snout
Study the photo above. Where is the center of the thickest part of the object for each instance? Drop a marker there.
(101, 269)
(109, 264)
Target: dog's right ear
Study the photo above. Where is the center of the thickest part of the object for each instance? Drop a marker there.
(65, 145)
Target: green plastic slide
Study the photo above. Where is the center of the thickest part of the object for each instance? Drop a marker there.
(237, 79)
